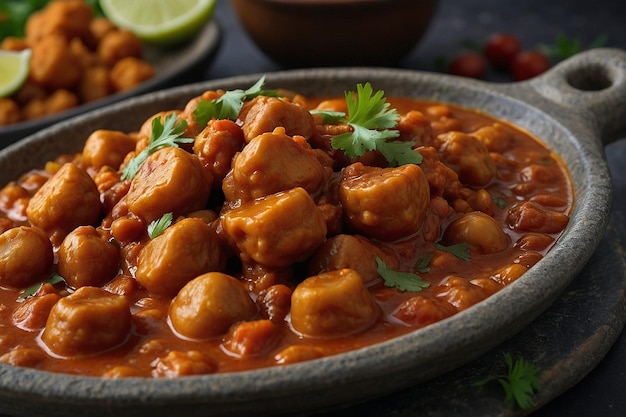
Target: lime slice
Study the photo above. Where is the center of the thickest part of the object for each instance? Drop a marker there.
(14, 68)
(161, 22)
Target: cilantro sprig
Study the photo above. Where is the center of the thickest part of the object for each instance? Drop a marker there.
(460, 250)
(520, 383)
(403, 281)
(158, 226)
(372, 123)
(228, 105)
(163, 134)
(54, 279)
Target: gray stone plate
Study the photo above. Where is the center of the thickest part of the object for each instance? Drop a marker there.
(576, 108)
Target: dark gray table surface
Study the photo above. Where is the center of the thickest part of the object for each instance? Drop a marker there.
(603, 391)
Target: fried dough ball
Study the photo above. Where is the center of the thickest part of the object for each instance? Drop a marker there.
(88, 321)
(118, 44)
(9, 112)
(94, 83)
(384, 203)
(332, 304)
(208, 305)
(170, 180)
(25, 257)
(53, 64)
(277, 230)
(482, 232)
(67, 200)
(183, 251)
(68, 18)
(129, 72)
(87, 259)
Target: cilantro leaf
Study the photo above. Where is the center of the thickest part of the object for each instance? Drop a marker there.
(460, 250)
(372, 122)
(54, 279)
(167, 134)
(403, 281)
(423, 264)
(520, 383)
(158, 226)
(230, 103)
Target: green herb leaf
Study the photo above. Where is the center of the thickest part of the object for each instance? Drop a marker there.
(460, 250)
(167, 134)
(423, 264)
(565, 47)
(499, 201)
(230, 103)
(54, 279)
(370, 117)
(520, 383)
(158, 226)
(403, 281)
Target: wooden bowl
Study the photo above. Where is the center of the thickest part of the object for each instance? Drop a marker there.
(301, 33)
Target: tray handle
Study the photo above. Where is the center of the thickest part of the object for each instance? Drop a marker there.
(592, 84)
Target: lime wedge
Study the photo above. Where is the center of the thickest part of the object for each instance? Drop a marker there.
(14, 68)
(160, 22)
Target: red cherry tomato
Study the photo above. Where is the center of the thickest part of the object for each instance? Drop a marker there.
(529, 64)
(501, 48)
(468, 64)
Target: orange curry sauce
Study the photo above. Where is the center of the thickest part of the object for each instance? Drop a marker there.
(482, 183)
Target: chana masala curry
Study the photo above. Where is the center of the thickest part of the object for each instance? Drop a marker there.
(255, 228)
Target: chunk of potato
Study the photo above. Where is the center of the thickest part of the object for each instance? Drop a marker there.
(332, 304)
(277, 230)
(183, 251)
(384, 203)
(67, 200)
(170, 180)
(88, 321)
(273, 162)
(208, 305)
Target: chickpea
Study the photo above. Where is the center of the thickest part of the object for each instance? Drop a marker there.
(481, 231)
(25, 257)
(86, 259)
(208, 305)
(468, 157)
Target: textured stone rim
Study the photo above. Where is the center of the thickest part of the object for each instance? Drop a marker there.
(401, 362)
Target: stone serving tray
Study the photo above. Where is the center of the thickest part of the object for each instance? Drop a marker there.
(576, 108)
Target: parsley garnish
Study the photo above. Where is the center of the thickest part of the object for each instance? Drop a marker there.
(403, 281)
(372, 123)
(230, 103)
(54, 279)
(520, 383)
(167, 134)
(158, 226)
(460, 250)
